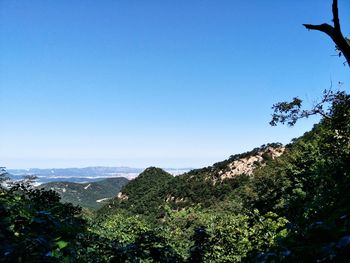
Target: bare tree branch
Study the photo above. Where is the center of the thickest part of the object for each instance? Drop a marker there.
(334, 32)
(325, 28)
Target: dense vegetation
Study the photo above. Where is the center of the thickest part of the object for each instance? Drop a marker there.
(36, 227)
(140, 196)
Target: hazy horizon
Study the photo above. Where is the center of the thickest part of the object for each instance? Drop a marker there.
(95, 166)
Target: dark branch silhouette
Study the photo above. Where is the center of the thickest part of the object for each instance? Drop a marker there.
(334, 32)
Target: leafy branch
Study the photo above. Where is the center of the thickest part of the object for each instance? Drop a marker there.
(291, 112)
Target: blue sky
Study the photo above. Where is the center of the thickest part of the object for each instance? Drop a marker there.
(165, 83)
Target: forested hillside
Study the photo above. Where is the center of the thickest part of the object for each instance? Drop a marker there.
(140, 196)
(88, 195)
(291, 205)
(155, 188)
(215, 183)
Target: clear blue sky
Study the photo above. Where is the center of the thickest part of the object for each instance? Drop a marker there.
(168, 83)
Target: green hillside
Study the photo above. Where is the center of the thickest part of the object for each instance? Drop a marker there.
(88, 195)
(154, 188)
(141, 195)
(211, 184)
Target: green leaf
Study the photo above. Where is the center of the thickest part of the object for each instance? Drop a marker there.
(62, 244)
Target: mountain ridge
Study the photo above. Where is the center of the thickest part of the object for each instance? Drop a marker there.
(154, 187)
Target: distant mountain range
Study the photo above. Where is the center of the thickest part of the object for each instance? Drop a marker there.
(82, 175)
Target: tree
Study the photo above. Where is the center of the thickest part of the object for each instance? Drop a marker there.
(334, 32)
(291, 112)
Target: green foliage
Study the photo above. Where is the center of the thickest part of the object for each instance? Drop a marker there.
(150, 247)
(291, 112)
(142, 195)
(179, 226)
(122, 227)
(35, 226)
(235, 238)
(286, 112)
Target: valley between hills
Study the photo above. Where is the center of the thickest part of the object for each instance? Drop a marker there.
(95, 194)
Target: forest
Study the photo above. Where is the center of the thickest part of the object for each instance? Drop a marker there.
(291, 204)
